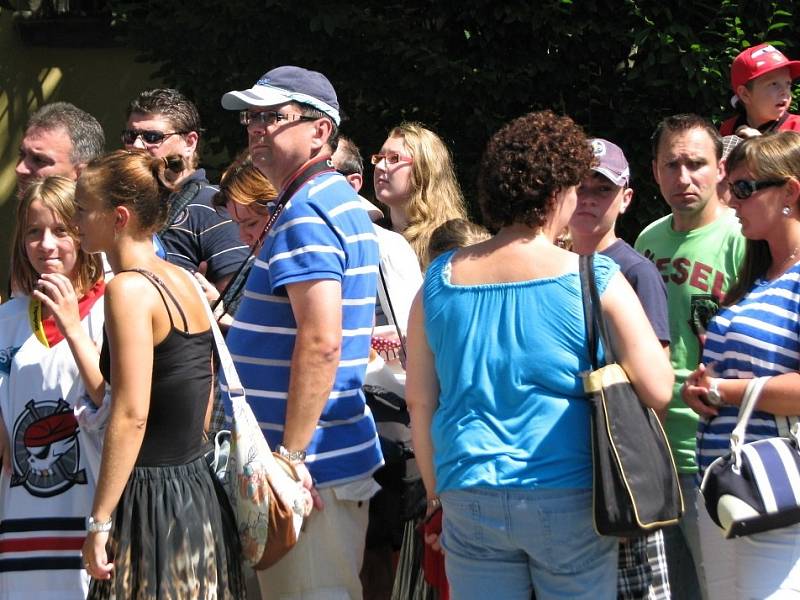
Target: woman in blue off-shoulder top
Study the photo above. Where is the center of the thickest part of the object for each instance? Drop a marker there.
(497, 346)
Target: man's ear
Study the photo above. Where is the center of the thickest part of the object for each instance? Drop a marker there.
(655, 172)
(192, 138)
(627, 198)
(722, 171)
(321, 134)
(79, 169)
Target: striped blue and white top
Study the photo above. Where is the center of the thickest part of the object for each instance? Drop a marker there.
(323, 233)
(758, 336)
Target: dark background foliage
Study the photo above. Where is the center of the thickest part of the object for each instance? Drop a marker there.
(465, 67)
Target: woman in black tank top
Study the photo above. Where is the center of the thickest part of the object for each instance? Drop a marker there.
(161, 525)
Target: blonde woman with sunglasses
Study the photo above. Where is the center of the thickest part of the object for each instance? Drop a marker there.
(414, 177)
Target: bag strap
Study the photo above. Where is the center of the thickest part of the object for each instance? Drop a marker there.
(584, 268)
(391, 310)
(749, 400)
(309, 172)
(593, 312)
(223, 354)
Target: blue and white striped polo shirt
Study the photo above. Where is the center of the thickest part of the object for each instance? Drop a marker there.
(322, 233)
(758, 336)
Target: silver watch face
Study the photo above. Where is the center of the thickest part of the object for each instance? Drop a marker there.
(713, 398)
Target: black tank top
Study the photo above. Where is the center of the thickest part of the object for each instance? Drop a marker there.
(180, 389)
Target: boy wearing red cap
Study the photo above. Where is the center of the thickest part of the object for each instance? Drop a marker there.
(761, 79)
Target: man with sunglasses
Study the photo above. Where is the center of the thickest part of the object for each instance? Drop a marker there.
(301, 336)
(697, 248)
(197, 236)
(60, 139)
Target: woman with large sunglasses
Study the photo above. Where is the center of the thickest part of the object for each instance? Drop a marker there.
(755, 334)
(496, 349)
(414, 177)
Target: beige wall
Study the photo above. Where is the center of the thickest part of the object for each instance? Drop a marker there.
(101, 81)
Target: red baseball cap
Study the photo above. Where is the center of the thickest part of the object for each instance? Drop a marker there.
(758, 60)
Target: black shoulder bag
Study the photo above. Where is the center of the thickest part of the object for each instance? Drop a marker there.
(636, 487)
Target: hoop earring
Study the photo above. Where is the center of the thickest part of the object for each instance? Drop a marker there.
(786, 211)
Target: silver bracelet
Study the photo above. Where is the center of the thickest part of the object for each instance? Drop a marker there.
(93, 526)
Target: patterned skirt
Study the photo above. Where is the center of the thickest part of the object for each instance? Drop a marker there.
(174, 537)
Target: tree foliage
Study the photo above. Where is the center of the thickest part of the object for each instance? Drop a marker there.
(464, 68)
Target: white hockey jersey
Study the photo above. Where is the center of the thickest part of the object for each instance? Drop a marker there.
(44, 504)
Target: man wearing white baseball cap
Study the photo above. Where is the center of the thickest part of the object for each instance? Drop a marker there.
(302, 333)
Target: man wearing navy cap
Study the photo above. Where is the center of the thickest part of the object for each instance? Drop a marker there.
(302, 333)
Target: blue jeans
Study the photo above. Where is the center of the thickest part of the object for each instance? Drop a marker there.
(504, 543)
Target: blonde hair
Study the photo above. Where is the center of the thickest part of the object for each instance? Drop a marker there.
(455, 233)
(56, 194)
(771, 156)
(436, 196)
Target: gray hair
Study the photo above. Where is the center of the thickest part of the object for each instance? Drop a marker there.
(84, 131)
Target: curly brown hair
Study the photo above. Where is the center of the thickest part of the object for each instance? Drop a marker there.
(526, 164)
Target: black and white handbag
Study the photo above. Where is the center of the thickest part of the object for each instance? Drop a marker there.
(756, 486)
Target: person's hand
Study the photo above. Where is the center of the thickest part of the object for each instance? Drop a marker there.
(208, 288)
(387, 344)
(55, 291)
(432, 524)
(694, 391)
(95, 557)
(314, 499)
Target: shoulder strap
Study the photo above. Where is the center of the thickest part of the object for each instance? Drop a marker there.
(179, 202)
(159, 284)
(590, 305)
(225, 360)
(391, 311)
(311, 171)
(749, 400)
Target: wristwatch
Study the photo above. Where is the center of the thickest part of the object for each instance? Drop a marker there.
(93, 526)
(293, 456)
(713, 397)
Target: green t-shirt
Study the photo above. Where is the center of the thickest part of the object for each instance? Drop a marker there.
(698, 266)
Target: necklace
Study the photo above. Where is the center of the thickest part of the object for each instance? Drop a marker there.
(785, 263)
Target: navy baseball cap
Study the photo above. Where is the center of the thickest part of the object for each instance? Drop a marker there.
(287, 84)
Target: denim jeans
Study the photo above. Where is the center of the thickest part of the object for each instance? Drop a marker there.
(682, 542)
(502, 543)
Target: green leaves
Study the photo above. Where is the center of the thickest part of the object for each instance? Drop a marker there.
(466, 67)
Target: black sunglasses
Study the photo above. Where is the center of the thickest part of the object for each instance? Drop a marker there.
(148, 136)
(744, 188)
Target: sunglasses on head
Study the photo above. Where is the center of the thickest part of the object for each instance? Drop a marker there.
(744, 188)
(148, 136)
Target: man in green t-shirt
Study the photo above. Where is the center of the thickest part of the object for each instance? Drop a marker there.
(697, 248)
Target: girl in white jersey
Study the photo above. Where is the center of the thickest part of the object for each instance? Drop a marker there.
(49, 351)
